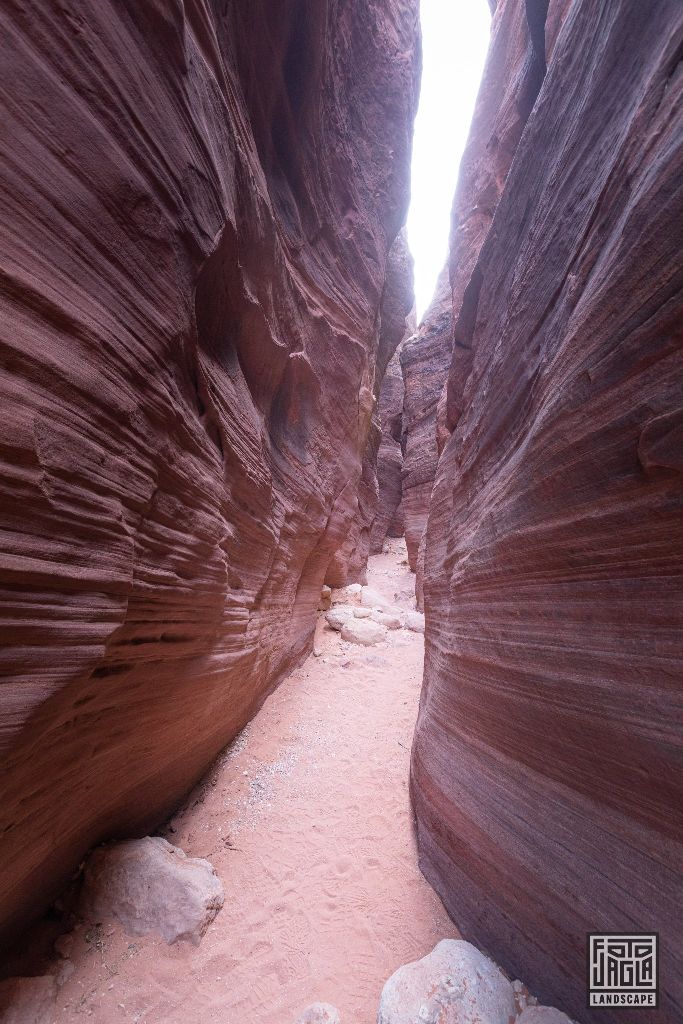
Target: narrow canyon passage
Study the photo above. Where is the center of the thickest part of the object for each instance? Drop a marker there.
(223, 386)
(306, 818)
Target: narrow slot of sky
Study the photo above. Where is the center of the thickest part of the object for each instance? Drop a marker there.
(455, 35)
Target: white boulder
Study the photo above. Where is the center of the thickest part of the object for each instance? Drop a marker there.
(150, 886)
(389, 619)
(347, 595)
(371, 598)
(414, 621)
(363, 631)
(454, 984)
(338, 615)
(319, 1013)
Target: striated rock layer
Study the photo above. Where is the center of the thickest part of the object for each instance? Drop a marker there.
(199, 202)
(350, 561)
(523, 35)
(425, 359)
(546, 768)
(520, 45)
(388, 521)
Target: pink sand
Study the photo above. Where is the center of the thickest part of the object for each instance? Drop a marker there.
(307, 821)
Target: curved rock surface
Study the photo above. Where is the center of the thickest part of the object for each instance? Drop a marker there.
(199, 202)
(546, 765)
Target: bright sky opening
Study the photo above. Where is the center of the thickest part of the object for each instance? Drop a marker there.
(455, 35)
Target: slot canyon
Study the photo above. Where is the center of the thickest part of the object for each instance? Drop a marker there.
(342, 642)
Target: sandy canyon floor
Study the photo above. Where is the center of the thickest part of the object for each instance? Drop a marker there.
(307, 820)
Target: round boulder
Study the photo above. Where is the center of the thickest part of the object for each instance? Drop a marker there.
(454, 984)
(363, 631)
(150, 886)
(414, 621)
(319, 1013)
(389, 619)
(338, 615)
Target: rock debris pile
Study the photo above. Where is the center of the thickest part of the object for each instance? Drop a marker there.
(364, 616)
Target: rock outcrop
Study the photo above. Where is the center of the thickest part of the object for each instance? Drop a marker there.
(523, 36)
(544, 767)
(199, 201)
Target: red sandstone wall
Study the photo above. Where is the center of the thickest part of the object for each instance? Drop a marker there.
(546, 768)
(388, 521)
(350, 561)
(199, 200)
(514, 69)
(425, 359)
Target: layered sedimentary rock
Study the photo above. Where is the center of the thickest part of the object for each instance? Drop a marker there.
(425, 359)
(523, 35)
(520, 45)
(388, 521)
(199, 202)
(350, 561)
(546, 769)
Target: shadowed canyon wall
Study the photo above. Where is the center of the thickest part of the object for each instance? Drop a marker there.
(199, 203)
(425, 359)
(514, 70)
(350, 561)
(388, 521)
(523, 34)
(546, 767)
